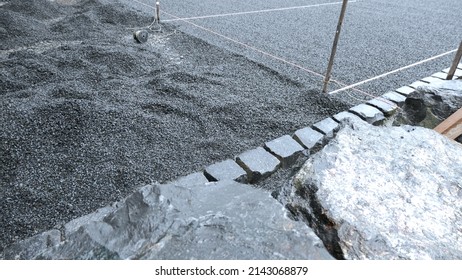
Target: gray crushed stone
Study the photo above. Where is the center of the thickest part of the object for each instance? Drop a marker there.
(87, 115)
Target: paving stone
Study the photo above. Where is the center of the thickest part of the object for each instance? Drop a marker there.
(384, 105)
(197, 178)
(226, 170)
(442, 75)
(431, 79)
(309, 138)
(395, 97)
(368, 113)
(346, 115)
(417, 84)
(405, 90)
(286, 149)
(327, 126)
(458, 72)
(258, 163)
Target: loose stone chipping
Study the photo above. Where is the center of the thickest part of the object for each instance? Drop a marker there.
(52, 237)
(87, 115)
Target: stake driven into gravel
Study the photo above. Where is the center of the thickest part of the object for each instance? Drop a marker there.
(87, 115)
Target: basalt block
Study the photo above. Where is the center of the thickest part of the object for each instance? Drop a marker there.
(368, 113)
(226, 170)
(327, 127)
(258, 163)
(286, 149)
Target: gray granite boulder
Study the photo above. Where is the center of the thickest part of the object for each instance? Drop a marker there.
(429, 105)
(383, 193)
(222, 220)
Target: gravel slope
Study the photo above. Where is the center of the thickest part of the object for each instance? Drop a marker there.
(377, 36)
(87, 115)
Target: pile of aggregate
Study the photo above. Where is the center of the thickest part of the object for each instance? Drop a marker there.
(87, 115)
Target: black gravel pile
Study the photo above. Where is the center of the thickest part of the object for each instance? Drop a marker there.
(87, 115)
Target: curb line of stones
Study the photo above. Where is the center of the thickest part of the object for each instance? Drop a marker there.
(255, 165)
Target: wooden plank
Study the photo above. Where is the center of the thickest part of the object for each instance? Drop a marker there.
(452, 126)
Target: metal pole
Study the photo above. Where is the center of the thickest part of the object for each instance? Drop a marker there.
(456, 61)
(334, 46)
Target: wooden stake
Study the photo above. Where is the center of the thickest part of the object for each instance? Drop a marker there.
(334, 46)
(158, 11)
(456, 61)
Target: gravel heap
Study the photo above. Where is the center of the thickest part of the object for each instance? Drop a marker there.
(87, 115)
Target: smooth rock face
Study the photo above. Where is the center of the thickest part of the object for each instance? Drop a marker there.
(222, 220)
(428, 106)
(383, 193)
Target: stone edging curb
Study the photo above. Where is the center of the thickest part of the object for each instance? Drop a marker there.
(255, 165)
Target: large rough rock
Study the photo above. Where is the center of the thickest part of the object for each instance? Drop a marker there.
(383, 193)
(223, 220)
(429, 105)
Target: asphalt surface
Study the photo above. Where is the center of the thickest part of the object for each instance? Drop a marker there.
(377, 36)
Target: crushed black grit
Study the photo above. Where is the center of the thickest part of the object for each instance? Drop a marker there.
(87, 114)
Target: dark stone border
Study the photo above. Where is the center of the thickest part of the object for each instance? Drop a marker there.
(258, 164)
(255, 165)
